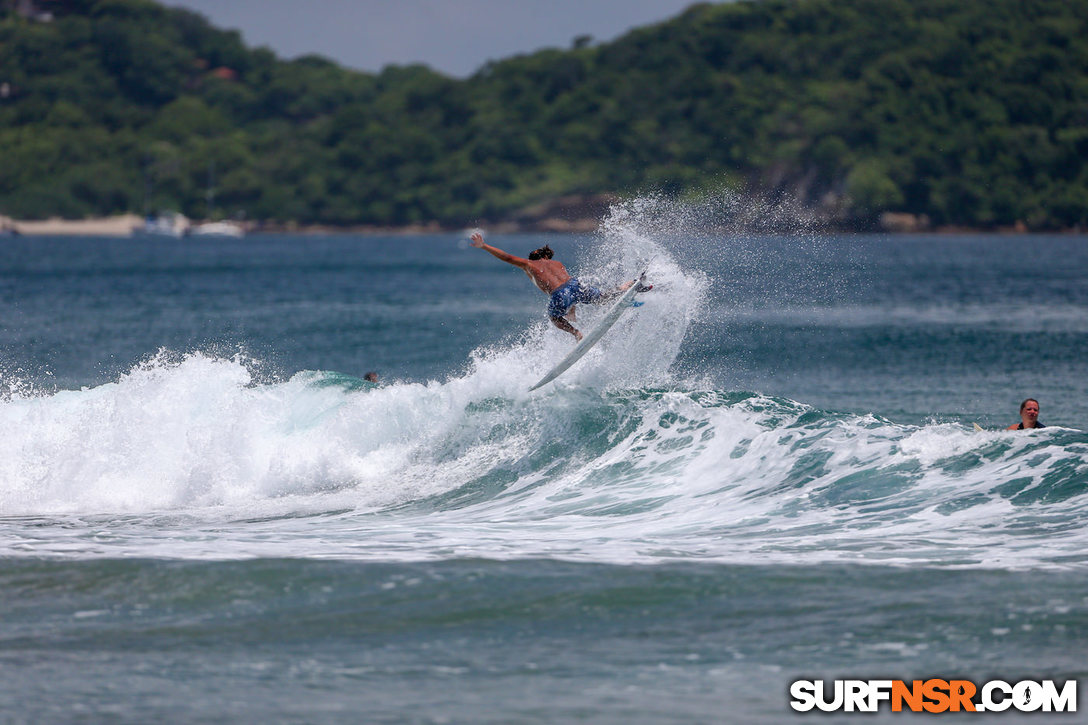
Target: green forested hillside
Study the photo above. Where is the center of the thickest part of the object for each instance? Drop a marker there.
(972, 112)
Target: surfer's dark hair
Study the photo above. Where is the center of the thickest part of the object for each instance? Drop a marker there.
(544, 252)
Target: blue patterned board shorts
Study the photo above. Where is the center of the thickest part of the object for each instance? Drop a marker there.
(569, 295)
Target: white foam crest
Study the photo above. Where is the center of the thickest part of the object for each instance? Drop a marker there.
(197, 432)
(16, 384)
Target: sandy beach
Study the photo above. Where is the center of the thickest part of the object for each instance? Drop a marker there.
(115, 226)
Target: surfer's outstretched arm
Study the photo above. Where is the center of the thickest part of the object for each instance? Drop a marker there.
(478, 242)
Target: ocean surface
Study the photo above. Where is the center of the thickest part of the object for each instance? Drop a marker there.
(767, 472)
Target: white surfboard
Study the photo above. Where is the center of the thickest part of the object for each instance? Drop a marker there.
(590, 339)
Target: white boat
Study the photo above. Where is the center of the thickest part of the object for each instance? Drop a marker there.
(218, 229)
(167, 224)
(222, 228)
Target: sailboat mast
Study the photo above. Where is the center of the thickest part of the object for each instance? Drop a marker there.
(210, 195)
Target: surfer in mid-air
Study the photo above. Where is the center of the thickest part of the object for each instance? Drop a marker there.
(553, 279)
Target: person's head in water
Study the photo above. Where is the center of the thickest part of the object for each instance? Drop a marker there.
(1029, 412)
(544, 252)
(1029, 416)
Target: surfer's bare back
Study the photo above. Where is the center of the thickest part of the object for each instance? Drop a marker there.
(553, 279)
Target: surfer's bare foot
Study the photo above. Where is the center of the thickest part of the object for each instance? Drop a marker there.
(577, 336)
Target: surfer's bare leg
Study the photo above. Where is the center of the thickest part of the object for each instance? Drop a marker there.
(565, 326)
(614, 293)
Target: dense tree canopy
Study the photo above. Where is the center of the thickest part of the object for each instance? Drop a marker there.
(971, 112)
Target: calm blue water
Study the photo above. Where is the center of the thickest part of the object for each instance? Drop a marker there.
(766, 472)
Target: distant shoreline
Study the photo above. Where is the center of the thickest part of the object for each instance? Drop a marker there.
(125, 225)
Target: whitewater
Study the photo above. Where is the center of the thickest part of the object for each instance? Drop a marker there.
(193, 459)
